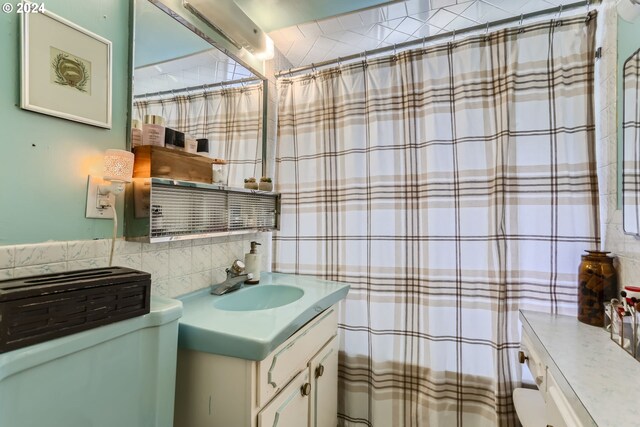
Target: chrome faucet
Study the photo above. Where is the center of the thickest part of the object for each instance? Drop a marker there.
(234, 281)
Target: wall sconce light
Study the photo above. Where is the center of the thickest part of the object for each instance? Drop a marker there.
(102, 191)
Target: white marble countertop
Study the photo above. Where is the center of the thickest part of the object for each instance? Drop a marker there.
(600, 379)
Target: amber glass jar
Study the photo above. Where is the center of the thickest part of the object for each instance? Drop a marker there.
(597, 283)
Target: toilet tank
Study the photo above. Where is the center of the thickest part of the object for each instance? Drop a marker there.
(119, 375)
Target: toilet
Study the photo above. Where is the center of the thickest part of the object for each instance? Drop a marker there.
(122, 374)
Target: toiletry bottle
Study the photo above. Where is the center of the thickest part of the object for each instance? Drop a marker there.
(252, 262)
(190, 144)
(153, 130)
(178, 140)
(136, 133)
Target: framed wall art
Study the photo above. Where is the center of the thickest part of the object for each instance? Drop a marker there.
(66, 70)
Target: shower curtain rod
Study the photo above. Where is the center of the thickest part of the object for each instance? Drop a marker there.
(366, 53)
(200, 87)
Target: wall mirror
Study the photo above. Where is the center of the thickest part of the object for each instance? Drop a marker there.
(631, 145)
(182, 75)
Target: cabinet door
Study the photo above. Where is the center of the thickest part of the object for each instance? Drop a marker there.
(323, 369)
(294, 354)
(290, 408)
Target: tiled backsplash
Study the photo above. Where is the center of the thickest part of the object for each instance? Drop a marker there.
(625, 248)
(176, 268)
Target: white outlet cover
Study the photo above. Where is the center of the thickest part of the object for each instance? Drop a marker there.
(92, 200)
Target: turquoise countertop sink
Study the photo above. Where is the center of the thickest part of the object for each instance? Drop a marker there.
(251, 322)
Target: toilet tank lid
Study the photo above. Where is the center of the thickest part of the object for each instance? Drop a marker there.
(164, 310)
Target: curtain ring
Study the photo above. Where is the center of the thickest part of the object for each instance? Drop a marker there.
(559, 13)
(339, 62)
(520, 29)
(588, 17)
(424, 42)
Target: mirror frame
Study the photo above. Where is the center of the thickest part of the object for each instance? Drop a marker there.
(182, 16)
(626, 206)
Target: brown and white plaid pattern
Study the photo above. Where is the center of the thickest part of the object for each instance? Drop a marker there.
(631, 135)
(230, 118)
(450, 186)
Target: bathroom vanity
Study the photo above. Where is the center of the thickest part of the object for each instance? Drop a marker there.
(246, 361)
(583, 378)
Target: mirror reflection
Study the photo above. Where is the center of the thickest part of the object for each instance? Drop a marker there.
(631, 140)
(189, 96)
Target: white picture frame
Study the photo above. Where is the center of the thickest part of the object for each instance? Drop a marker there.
(66, 70)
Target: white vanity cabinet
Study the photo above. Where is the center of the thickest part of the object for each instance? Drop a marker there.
(583, 378)
(294, 386)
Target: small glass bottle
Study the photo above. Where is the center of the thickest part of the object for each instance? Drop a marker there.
(220, 172)
(153, 130)
(136, 133)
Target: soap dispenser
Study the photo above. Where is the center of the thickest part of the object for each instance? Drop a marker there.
(253, 261)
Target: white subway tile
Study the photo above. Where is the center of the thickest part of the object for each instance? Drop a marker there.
(201, 280)
(84, 249)
(85, 264)
(201, 242)
(201, 258)
(7, 256)
(35, 270)
(220, 255)
(179, 262)
(157, 264)
(124, 247)
(179, 286)
(133, 260)
(40, 253)
(160, 287)
(152, 247)
(180, 244)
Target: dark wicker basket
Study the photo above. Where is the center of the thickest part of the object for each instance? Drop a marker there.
(40, 308)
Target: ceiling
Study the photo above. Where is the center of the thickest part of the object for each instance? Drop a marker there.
(272, 15)
(168, 56)
(339, 36)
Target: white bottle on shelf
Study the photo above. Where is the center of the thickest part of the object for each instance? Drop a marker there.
(153, 130)
(252, 262)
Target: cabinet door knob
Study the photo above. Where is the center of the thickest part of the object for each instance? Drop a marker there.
(319, 371)
(521, 357)
(305, 389)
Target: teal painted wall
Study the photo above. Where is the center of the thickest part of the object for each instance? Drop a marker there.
(628, 42)
(44, 160)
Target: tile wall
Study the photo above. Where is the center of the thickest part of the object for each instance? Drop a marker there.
(176, 268)
(624, 247)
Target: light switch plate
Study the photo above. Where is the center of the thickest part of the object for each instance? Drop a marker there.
(93, 211)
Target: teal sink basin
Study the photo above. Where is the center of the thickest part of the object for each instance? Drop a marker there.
(260, 298)
(251, 322)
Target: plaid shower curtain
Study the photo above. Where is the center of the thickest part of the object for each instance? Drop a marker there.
(450, 186)
(230, 118)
